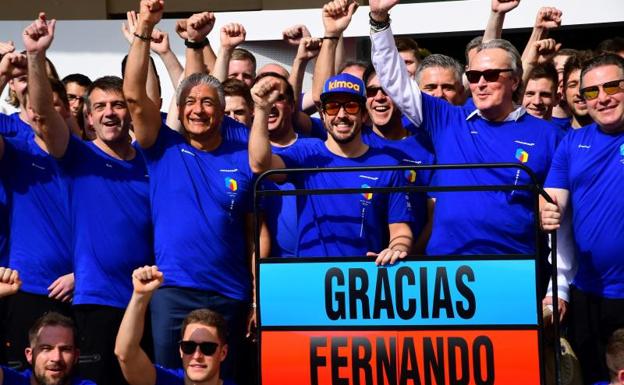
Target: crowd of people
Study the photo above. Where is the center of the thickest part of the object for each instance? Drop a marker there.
(127, 233)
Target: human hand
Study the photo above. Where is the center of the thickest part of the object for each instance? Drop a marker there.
(309, 48)
(9, 281)
(548, 18)
(38, 36)
(547, 304)
(550, 215)
(294, 34)
(337, 15)
(380, 9)
(146, 279)
(62, 288)
(387, 256)
(265, 93)
(199, 25)
(232, 35)
(151, 11)
(13, 65)
(504, 6)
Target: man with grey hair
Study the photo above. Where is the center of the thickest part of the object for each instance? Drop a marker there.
(441, 76)
(495, 131)
(200, 195)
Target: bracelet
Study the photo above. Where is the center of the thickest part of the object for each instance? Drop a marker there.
(196, 44)
(142, 37)
(331, 38)
(378, 26)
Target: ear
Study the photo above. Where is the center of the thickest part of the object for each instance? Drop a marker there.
(223, 354)
(28, 352)
(620, 376)
(516, 83)
(90, 118)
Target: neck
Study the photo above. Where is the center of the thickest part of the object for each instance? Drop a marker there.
(23, 116)
(559, 111)
(498, 114)
(121, 149)
(208, 142)
(355, 148)
(580, 121)
(283, 140)
(392, 130)
(214, 380)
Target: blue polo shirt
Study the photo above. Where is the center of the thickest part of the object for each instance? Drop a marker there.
(485, 222)
(200, 200)
(110, 218)
(13, 377)
(344, 224)
(590, 164)
(40, 232)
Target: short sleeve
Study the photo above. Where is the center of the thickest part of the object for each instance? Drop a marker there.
(558, 176)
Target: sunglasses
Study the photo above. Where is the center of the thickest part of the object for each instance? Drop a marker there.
(332, 108)
(489, 75)
(371, 92)
(610, 88)
(207, 348)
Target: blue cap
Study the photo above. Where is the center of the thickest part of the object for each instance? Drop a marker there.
(344, 84)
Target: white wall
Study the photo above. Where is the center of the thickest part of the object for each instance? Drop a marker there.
(95, 48)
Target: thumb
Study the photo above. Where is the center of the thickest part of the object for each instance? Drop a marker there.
(352, 8)
(52, 27)
(558, 47)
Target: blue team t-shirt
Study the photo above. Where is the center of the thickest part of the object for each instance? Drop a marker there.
(40, 232)
(590, 164)
(13, 377)
(409, 151)
(344, 224)
(110, 218)
(13, 126)
(165, 376)
(200, 200)
(485, 222)
(317, 130)
(564, 123)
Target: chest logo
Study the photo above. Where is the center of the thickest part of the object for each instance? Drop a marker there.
(522, 155)
(231, 184)
(410, 175)
(367, 195)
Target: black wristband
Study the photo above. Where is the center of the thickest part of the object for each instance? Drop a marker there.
(378, 25)
(142, 37)
(196, 44)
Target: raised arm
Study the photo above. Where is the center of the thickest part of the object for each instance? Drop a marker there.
(12, 65)
(198, 26)
(6, 47)
(231, 35)
(307, 49)
(389, 65)
(160, 45)
(145, 113)
(135, 364)
(46, 121)
(265, 92)
(494, 28)
(336, 15)
(539, 48)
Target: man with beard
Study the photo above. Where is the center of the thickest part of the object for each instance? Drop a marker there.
(52, 353)
(338, 224)
(571, 90)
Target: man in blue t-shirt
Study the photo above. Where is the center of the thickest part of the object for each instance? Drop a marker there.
(109, 209)
(201, 187)
(496, 131)
(337, 225)
(202, 347)
(586, 182)
(53, 354)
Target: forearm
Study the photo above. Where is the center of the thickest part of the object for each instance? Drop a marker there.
(537, 34)
(128, 343)
(173, 66)
(401, 237)
(209, 58)
(152, 86)
(259, 143)
(494, 28)
(220, 70)
(324, 68)
(194, 62)
(297, 74)
(394, 77)
(137, 65)
(341, 55)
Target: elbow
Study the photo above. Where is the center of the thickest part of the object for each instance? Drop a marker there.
(257, 167)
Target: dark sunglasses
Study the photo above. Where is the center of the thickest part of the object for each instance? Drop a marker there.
(610, 88)
(489, 75)
(371, 92)
(207, 348)
(332, 108)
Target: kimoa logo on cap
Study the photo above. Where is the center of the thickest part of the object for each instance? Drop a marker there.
(343, 84)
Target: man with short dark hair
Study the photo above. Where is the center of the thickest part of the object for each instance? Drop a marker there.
(202, 347)
(53, 354)
(586, 176)
(409, 52)
(441, 76)
(540, 91)
(76, 86)
(238, 101)
(571, 90)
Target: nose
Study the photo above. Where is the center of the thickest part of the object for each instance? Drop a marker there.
(437, 92)
(482, 82)
(55, 355)
(341, 111)
(108, 110)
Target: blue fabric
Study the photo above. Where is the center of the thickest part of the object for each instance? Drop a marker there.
(166, 376)
(485, 222)
(344, 224)
(200, 200)
(110, 218)
(40, 247)
(407, 152)
(590, 164)
(13, 126)
(234, 131)
(318, 129)
(13, 377)
(564, 123)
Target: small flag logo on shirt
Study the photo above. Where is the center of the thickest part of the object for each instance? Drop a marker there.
(410, 175)
(622, 150)
(522, 155)
(367, 196)
(231, 184)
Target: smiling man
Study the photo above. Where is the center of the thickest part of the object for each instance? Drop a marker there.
(53, 354)
(586, 175)
(202, 348)
(495, 131)
(540, 92)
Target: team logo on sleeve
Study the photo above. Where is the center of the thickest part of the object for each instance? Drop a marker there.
(367, 195)
(410, 175)
(522, 155)
(231, 184)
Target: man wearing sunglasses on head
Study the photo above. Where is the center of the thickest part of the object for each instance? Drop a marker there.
(202, 347)
(497, 131)
(587, 174)
(337, 224)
